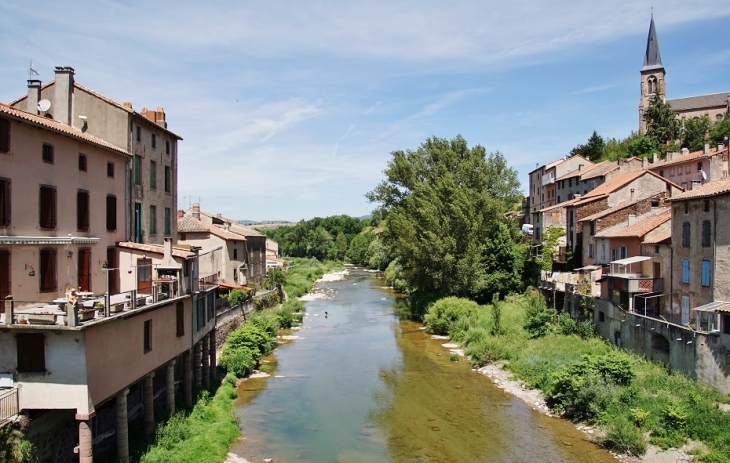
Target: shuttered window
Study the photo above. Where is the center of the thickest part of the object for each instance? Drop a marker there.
(685, 270)
(47, 209)
(4, 202)
(4, 274)
(706, 233)
(4, 135)
(685, 234)
(31, 349)
(48, 270)
(180, 316)
(111, 213)
(82, 210)
(705, 273)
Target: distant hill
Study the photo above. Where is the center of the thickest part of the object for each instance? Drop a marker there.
(265, 222)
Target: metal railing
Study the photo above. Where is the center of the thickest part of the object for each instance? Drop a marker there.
(8, 405)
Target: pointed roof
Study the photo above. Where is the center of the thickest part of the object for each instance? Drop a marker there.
(652, 58)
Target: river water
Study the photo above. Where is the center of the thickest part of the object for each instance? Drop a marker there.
(365, 385)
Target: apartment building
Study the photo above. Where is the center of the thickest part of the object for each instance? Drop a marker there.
(690, 170)
(542, 189)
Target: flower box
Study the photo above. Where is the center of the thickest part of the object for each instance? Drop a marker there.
(86, 315)
(41, 319)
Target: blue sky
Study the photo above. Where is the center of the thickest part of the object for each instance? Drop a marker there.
(290, 109)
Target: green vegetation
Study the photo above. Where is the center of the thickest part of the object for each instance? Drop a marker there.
(444, 211)
(586, 379)
(14, 448)
(302, 273)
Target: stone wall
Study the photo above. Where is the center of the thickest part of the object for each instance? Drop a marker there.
(54, 434)
(230, 319)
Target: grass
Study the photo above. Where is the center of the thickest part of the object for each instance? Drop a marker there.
(303, 272)
(666, 406)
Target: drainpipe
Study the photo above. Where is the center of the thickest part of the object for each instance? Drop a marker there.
(714, 252)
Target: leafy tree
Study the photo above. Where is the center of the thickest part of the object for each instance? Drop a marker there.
(593, 149)
(551, 239)
(640, 146)
(440, 203)
(380, 256)
(359, 249)
(662, 126)
(721, 130)
(341, 246)
(694, 132)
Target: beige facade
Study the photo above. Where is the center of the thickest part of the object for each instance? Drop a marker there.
(151, 199)
(63, 207)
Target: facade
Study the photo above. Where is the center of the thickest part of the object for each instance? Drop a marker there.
(692, 169)
(60, 224)
(151, 198)
(715, 106)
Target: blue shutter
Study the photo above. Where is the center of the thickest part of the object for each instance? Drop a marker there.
(685, 270)
(705, 273)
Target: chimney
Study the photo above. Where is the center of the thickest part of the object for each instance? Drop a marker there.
(63, 94)
(580, 167)
(707, 149)
(196, 210)
(632, 218)
(160, 117)
(128, 105)
(654, 158)
(34, 96)
(720, 147)
(685, 151)
(644, 163)
(167, 261)
(227, 226)
(632, 194)
(180, 214)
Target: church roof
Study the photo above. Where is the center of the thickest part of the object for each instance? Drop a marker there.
(700, 102)
(652, 58)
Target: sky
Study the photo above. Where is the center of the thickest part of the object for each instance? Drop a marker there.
(291, 109)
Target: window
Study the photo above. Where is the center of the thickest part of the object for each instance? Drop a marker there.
(110, 169)
(82, 210)
(167, 220)
(593, 228)
(590, 250)
(47, 209)
(699, 166)
(168, 179)
(613, 254)
(686, 207)
(154, 141)
(47, 153)
(725, 321)
(661, 173)
(183, 236)
(137, 169)
(685, 270)
(706, 233)
(153, 175)
(685, 234)
(153, 220)
(31, 351)
(603, 251)
(601, 316)
(705, 273)
(4, 135)
(167, 147)
(111, 213)
(624, 252)
(139, 133)
(235, 275)
(180, 318)
(48, 270)
(707, 205)
(651, 84)
(4, 202)
(147, 336)
(4, 274)
(82, 162)
(687, 169)
(671, 172)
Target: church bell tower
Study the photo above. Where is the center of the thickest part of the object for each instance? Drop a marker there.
(652, 74)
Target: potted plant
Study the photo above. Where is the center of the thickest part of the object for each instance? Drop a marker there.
(105, 264)
(86, 314)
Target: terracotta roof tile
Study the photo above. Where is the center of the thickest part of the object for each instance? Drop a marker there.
(665, 237)
(190, 225)
(601, 170)
(58, 127)
(559, 205)
(236, 226)
(689, 157)
(713, 188)
(643, 225)
(156, 248)
(580, 172)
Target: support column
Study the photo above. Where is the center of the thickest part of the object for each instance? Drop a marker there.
(171, 387)
(213, 360)
(188, 378)
(86, 448)
(149, 406)
(205, 371)
(197, 354)
(122, 427)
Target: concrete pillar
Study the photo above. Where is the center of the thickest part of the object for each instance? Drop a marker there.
(9, 310)
(213, 359)
(122, 427)
(170, 376)
(188, 378)
(149, 406)
(197, 354)
(205, 371)
(86, 448)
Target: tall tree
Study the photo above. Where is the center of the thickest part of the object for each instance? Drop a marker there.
(694, 132)
(662, 125)
(592, 149)
(440, 204)
(721, 130)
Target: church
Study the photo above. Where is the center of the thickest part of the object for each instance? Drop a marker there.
(715, 106)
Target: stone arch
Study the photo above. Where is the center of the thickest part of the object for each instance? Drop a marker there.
(651, 83)
(660, 348)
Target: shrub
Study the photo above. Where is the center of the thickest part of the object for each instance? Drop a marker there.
(238, 297)
(622, 436)
(240, 362)
(567, 325)
(284, 316)
(487, 350)
(444, 312)
(539, 316)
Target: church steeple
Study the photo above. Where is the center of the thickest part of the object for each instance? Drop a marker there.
(652, 58)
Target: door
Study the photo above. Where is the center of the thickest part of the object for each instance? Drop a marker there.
(4, 274)
(144, 276)
(84, 269)
(685, 310)
(114, 275)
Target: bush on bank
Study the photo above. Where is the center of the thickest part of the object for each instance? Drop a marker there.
(587, 379)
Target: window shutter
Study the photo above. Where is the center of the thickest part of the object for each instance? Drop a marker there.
(705, 273)
(685, 270)
(31, 353)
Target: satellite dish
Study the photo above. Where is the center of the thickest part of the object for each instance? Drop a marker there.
(704, 175)
(44, 105)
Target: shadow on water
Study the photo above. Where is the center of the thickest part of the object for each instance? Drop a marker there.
(368, 385)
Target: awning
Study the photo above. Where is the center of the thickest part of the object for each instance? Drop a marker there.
(715, 306)
(229, 285)
(589, 267)
(630, 260)
(46, 240)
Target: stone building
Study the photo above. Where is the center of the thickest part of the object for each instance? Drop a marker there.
(715, 106)
(151, 198)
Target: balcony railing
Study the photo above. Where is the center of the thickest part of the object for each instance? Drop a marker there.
(636, 283)
(548, 179)
(8, 405)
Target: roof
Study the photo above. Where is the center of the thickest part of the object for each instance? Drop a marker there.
(580, 172)
(610, 211)
(58, 127)
(713, 188)
(549, 164)
(156, 248)
(630, 260)
(663, 238)
(236, 226)
(559, 205)
(652, 58)
(643, 225)
(699, 101)
(689, 157)
(621, 180)
(192, 225)
(714, 306)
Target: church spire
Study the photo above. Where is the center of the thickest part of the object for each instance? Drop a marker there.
(652, 58)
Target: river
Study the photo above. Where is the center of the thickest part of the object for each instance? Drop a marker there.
(365, 385)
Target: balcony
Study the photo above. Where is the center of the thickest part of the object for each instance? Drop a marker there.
(548, 179)
(633, 283)
(8, 405)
